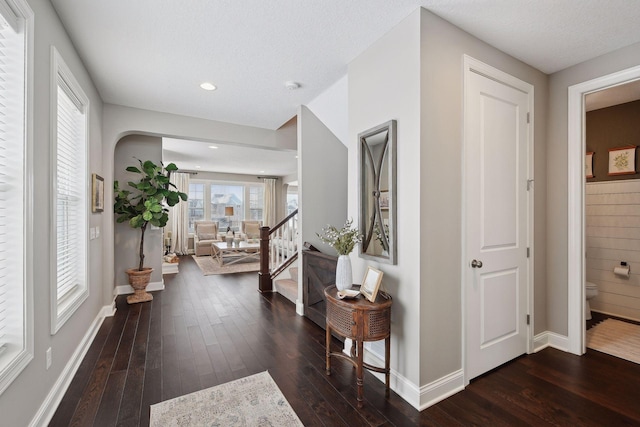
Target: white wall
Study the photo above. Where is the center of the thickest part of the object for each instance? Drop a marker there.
(20, 403)
(557, 180)
(332, 108)
(613, 235)
(322, 185)
(127, 239)
(443, 47)
(384, 84)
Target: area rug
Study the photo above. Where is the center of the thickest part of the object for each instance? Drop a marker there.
(209, 266)
(617, 338)
(255, 400)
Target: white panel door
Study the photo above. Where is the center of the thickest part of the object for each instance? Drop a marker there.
(496, 153)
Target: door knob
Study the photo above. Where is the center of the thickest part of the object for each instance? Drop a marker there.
(476, 264)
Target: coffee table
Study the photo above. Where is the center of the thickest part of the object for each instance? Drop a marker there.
(242, 252)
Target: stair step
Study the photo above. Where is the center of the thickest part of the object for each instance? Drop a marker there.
(287, 288)
(293, 271)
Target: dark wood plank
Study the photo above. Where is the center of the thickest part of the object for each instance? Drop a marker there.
(202, 331)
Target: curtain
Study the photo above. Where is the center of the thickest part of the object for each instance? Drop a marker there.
(269, 217)
(179, 216)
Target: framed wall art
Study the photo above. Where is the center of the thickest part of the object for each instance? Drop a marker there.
(622, 160)
(371, 283)
(588, 165)
(97, 193)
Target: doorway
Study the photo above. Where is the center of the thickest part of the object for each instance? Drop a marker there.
(497, 277)
(576, 203)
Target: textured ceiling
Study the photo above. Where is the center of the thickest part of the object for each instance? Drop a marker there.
(153, 54)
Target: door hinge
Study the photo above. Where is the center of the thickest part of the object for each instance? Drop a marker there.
(528, 252)
(528, 319)
(528, 117)
(529, 184)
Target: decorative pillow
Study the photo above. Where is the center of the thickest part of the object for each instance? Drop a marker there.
(252, 230)
(207, 236)
(207, 229)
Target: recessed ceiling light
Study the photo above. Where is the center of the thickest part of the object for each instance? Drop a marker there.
(197, 167)
(213, 147)
(291, 85)
(208, 86)
(261, 171)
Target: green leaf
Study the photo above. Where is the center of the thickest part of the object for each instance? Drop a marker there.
(171, 167)
(133, 169)
(147, 216)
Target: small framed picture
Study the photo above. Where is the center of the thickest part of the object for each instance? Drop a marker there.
(97, 193)
(588, 166)
(371, 283)
(622, 161)
(384, 199)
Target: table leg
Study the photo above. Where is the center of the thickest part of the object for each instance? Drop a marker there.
(359, 373)
(328, 350)
(387, 362)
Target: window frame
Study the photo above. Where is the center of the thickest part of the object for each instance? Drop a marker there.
(246, 198)
(63, 310)
(14, 361)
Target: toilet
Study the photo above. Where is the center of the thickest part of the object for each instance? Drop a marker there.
(591, 291)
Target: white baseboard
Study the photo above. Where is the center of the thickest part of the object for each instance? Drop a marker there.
(55, 395)
(418, 397)
(299, 308)
(550, 339)
(440, 389)
(127, 289)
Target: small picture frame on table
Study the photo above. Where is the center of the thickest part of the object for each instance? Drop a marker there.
(371, 283)
(622, 160)
(97, 193)
(384, 200)
(588, 166)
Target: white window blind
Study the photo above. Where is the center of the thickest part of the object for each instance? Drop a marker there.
(71, 199)
(16, 338)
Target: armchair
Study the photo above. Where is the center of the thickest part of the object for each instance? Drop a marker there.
(251, 229)
(206, 232)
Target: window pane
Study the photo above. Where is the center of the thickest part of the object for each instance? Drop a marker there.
(196, 204)
(225, 195)
(256, 202)
(292, 202)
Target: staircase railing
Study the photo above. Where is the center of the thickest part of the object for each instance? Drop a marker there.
(278, 249)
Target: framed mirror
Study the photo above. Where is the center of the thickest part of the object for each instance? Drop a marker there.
(377, 192)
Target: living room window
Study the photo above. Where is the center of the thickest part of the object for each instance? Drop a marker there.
(70, 140)
(210, 200)
(16, 286)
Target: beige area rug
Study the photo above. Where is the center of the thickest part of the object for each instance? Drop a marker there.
(209, 266)
(617, 338)
(255, 400)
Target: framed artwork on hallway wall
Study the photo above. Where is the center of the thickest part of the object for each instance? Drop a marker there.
(97, 193)
(588, 166)
(622, 160)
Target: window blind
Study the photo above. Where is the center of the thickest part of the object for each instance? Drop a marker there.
(12, 190)
(70, 192)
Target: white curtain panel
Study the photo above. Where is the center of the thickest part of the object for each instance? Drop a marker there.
(179, 216)
(269, 218)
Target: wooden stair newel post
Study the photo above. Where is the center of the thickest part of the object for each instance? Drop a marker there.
(264, 276)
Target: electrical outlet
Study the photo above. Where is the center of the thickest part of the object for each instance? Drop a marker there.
(48, 354)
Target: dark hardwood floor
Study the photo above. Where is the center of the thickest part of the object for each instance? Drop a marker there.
(203, 331)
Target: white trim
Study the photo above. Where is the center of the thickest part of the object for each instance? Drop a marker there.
(575, 192)
(438, 390)
(550, 339)
(299, 307)
(127, 289)
(63, 310)
(55, 395)
(473, 65)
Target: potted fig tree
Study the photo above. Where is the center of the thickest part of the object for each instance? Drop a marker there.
(144, 205)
